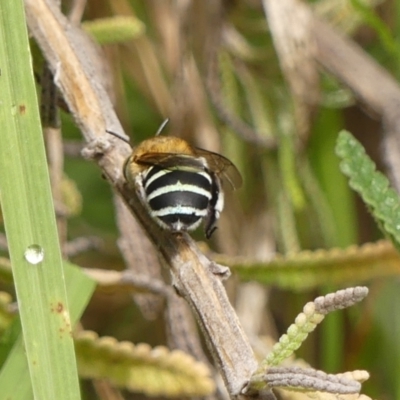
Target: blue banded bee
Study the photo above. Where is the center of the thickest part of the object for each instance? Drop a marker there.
(180, 185)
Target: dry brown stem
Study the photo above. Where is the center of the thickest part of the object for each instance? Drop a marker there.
(68, 53)
(140, 257)
(371, 84)
(289, 23)
(65, 49)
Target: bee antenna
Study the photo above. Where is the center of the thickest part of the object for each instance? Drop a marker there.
(162, 126)
(123, 138)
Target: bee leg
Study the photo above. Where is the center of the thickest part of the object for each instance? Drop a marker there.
(215, 207)
(210, 224)
(138, 183)
(210, 230)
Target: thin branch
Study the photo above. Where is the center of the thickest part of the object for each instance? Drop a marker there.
(181, 329)
(241, 128)
(370, 83)
(125, 280)
(73, 148)
(76, 11)
(3, 242)
(214, 89)
(289, 22)
(81, 244)
(348, 62)
(140, 257)
(63, 46)
(53, 138)
(308, 379)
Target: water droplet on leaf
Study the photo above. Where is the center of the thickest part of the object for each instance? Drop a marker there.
(34, 254)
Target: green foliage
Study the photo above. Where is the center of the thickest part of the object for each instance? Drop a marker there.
(307, 270)
(5, 270)
(6, 316)
(72, 198)
(344, 14)
(294, 197)
(287, 164)
(372, 185)
(30, 224)
(338, 213)
(312, 315)
(14, 374)
(386, 38)
(155, 372)
(114, 30)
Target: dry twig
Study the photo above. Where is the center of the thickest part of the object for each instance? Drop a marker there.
(64, 48)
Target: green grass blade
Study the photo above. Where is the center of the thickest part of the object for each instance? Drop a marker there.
(29, 219)
(14, 377)
(372, 186)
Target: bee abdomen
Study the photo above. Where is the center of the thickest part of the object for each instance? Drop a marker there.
(179, 198)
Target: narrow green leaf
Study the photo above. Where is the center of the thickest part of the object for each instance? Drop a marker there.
(287, 223)
(318, 200)
(325, 166)
(289, 171)
(372, 185)
(153, 371)
(29, 219)
(115, 29)
(308, 270)
(313, 314)
(14, 376)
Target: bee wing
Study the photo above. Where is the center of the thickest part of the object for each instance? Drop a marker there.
(222, 167)
(170, 160)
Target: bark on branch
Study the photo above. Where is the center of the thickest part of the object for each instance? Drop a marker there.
(67, 51)
(69, 54)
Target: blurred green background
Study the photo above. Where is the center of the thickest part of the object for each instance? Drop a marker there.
(210, 76)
